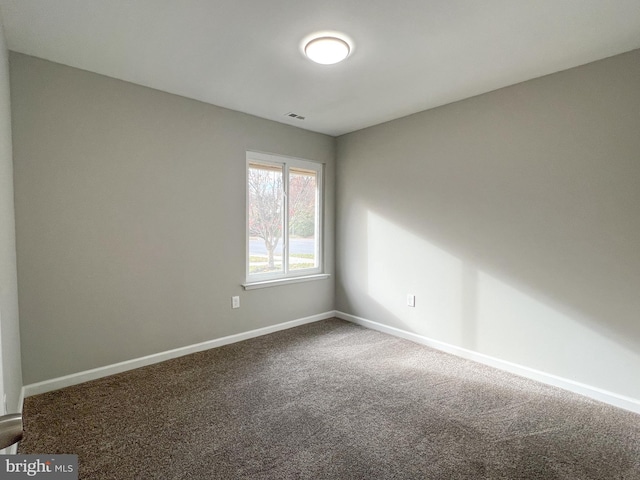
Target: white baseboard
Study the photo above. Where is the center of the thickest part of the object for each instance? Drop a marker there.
(87, 375)
(595, 393)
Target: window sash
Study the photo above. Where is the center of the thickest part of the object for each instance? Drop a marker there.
(288, 166)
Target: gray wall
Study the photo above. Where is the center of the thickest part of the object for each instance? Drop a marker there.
(9, 327)
(514, 217)
(130, 208)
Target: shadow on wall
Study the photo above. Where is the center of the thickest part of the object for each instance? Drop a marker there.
(460, 301)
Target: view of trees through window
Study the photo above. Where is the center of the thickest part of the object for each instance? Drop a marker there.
(268, 196)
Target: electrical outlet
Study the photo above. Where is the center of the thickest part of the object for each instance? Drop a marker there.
(235, 302)
(411, 300)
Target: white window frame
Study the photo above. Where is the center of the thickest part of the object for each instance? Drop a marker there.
(258, 280)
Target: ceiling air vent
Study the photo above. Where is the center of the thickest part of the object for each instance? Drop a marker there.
(294, 115)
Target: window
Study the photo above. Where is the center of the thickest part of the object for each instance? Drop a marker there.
(284, 217)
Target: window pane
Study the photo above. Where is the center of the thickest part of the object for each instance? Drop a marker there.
(265, 219)
(303, 214)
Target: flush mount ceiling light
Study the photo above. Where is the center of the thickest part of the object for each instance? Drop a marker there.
(327, 49)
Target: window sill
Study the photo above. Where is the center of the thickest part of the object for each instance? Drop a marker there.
(285, 281)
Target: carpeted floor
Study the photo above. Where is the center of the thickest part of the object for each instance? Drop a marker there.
(330, 400)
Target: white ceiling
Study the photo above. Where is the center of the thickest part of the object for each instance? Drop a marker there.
(410, 55)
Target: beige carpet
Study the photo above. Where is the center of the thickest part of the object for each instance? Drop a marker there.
(330, 400)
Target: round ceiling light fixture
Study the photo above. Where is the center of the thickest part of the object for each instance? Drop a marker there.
(327, 49)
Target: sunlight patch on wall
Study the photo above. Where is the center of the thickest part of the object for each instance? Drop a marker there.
(400, 263)
(459, 304)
